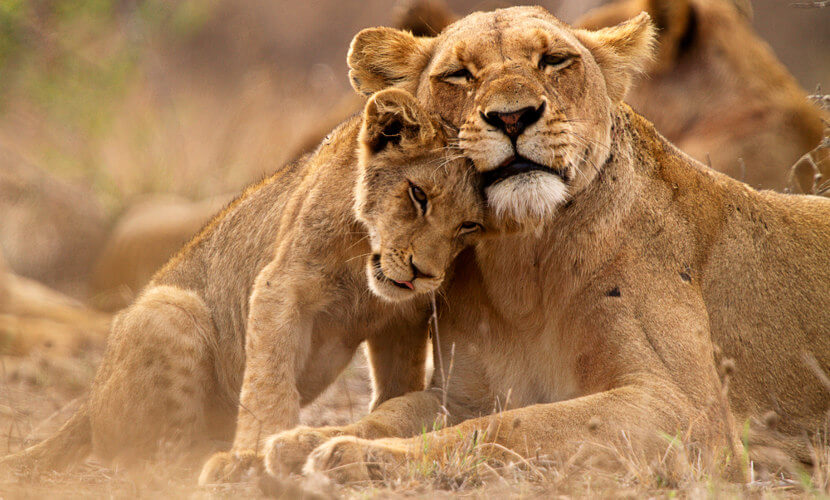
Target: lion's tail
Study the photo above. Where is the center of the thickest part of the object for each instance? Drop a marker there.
(70, 444)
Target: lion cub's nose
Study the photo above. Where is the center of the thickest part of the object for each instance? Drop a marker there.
(418, 273)
(513, 123)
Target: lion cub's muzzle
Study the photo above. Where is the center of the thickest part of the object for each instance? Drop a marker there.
(402, 282)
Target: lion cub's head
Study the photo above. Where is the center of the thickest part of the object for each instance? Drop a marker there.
(417, 196)
(532, 96)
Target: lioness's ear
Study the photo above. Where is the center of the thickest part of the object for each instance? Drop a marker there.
(384, 57)
(621, 51)
(392, 116)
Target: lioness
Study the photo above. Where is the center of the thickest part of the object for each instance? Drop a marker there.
(276, 287)
(630, 273)
(715, 88)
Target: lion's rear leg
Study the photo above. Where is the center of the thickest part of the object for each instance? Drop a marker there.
(151, 393)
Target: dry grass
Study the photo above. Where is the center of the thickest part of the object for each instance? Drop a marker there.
(37, 395)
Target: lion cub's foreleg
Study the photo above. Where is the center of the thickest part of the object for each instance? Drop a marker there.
(278, 338)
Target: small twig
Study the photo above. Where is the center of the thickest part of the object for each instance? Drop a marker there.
(444, 379)
(814, 365)
(820, 4)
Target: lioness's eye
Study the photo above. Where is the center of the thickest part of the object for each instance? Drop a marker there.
(468, 227)
(555, 61)
(419, 198)
(459, 77)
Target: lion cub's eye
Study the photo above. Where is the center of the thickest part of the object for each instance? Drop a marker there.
(460, 77)
(555, 61)
(419, 198)
(467, 227)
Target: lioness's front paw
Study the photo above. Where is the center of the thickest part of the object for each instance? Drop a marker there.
(286, 452)
(230, 467)
(346, 459)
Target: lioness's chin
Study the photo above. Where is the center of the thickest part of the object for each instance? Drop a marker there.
(528, 199)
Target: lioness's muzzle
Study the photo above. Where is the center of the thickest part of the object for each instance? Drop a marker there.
(518, 166)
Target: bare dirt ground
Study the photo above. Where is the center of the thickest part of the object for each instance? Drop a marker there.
(38, 392)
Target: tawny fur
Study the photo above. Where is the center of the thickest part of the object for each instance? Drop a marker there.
(607, 322)
(270, 301)
(715, 89)
(35, 318)
(148, 234)
(51, 229)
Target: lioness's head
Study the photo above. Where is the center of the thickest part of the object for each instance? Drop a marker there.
(417, 196)
(533, 97)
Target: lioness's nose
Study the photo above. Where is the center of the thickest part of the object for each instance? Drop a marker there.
(513, 123)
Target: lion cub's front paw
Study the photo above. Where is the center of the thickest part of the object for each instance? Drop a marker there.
(230, 467)
(286, 452)
(347, 459)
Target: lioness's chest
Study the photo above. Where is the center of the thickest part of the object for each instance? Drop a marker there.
(505, 314)
(529, 367)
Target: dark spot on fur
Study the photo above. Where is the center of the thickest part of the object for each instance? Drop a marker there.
(172, 404)
(267, 283)
(685, 277)
(162, 382)
(614, 292)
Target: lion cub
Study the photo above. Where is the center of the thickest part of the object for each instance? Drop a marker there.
(264, 308)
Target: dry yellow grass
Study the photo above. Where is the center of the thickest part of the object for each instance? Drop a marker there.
(37, 394)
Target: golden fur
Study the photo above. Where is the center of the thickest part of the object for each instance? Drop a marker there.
(270, 301)
(626, 313)
(144, 239)
(715, 89)
(51, 229)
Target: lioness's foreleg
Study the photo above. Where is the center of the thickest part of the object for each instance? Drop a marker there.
(631, 417)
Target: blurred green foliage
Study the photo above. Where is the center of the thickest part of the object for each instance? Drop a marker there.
(71, 64)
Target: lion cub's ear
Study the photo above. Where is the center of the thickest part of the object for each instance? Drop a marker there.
(393, 117)
(621, 51)
(384, 57)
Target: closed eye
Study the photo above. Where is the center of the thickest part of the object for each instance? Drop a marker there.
(459, 77)
(419, 198)
(555, 62)
(468, 227)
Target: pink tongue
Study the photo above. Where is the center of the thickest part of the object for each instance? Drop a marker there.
(407, 284)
